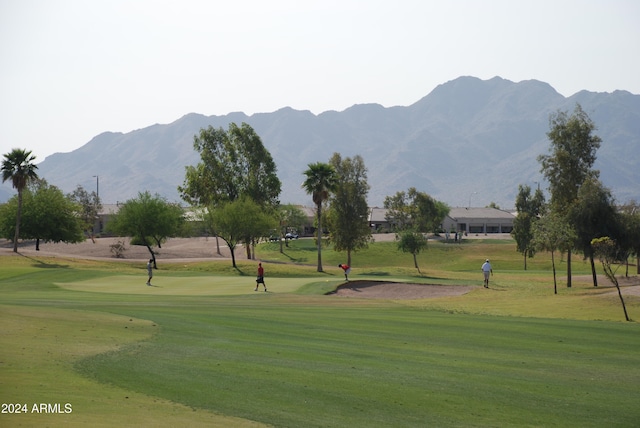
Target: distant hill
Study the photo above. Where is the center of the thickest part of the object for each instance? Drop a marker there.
(468, 142)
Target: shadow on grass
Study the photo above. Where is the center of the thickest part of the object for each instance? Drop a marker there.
(295, 260)
(42, 264)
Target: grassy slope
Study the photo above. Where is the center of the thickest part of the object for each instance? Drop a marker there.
(46, 331)
(292, 359)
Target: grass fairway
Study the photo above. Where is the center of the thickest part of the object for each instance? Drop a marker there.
(201, 348)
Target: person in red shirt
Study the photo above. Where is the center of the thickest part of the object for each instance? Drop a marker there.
(346, 269)
(260, 278)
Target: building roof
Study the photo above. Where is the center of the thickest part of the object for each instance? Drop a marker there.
(109, 209)
(460, 213)
(377, 215)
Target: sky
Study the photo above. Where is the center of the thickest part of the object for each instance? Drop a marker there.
(72, 69)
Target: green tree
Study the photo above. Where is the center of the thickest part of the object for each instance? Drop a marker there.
(630, 231)
(148, 220)
(593, 215)
(415, 210)
(413, 242)
(348, 214)
(240, 221)
(529, 209)
(611, 254)
(233, 164)
(398, 211)
(321, 180)
(18, 167)
(552, 233)
(414, 213)
(90, 207)
(49, 215)
(428, 213)
(292, 219)
(570, 161)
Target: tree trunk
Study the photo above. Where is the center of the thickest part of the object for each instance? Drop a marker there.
(319, 240)
(568, 268)
(610, 273)
(415, 262)
(525, 259)
(349, 257)
(624, 308)
(233, 257)
(555, 283)
(613, 279)
(18, 216)
(153, 255)
(37, 244)
(593, 270)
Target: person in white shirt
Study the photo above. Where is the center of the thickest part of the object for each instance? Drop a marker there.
(150, 271)
(486, 271)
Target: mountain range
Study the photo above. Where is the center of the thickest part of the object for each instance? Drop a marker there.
(468, 142)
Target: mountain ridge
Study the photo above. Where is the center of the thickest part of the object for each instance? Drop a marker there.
(468, 142)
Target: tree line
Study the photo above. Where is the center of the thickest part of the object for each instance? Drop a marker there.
(41, 211)
(581, 215)
(236, 186)
(234, 193)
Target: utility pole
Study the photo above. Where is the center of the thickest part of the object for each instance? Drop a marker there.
(97, 185)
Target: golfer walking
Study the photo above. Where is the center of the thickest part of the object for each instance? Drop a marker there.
(486, 271)
(260, 278)
(150, 271)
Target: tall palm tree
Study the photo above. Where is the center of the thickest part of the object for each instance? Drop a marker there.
(321, 180)
(18, 167)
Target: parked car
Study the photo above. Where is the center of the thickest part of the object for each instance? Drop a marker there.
(291, 235)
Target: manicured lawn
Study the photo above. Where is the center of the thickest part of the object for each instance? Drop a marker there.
(201, 348)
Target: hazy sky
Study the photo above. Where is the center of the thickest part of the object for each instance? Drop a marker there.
(70, 69)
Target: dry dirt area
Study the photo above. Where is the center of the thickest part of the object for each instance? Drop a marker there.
(398, 290)
(174, 249)
(629, 286)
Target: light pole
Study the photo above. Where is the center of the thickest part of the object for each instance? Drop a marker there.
(470, 198)
(96, 202)
(97, 186)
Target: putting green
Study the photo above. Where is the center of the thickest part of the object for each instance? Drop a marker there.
(189, 286)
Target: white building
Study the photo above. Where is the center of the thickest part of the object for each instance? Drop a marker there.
(478, 220)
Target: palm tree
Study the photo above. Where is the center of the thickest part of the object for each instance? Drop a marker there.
(321, 180)
(18, 167)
